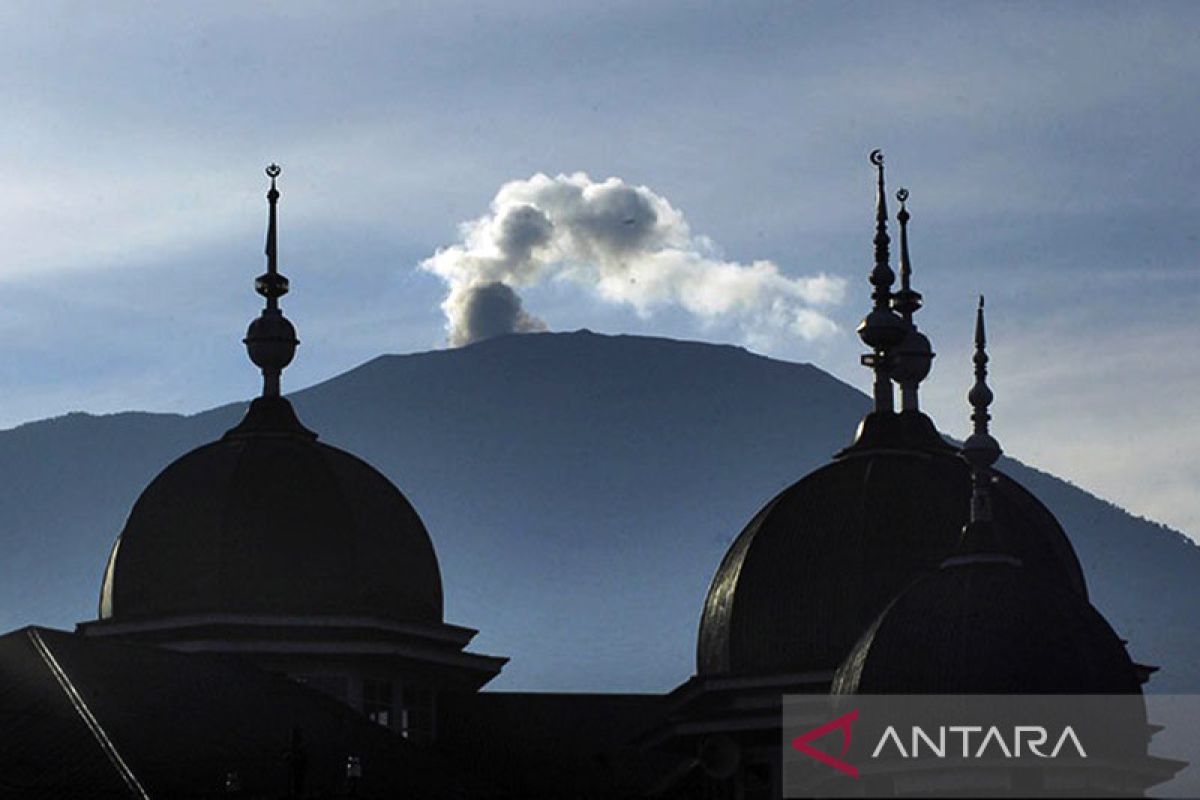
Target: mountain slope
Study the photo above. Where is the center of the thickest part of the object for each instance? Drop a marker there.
(580, 491)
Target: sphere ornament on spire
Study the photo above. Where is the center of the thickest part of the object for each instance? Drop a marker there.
(271, 339)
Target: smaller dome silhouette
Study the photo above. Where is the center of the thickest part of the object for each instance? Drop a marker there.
(988, 625)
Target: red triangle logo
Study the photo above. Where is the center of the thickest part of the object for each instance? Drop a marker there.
(842, 723)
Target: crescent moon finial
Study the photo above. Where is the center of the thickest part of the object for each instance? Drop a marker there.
(877, 157)
(273, 171)
(902, 195)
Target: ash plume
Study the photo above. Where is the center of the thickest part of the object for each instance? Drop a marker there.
(626, 245)
(485, 310)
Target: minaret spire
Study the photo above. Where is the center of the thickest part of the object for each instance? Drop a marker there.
(272, 285)
(271, 339)
(882, 276)
(906, 301)
(981, 450)
(882, 328)
(913, 356)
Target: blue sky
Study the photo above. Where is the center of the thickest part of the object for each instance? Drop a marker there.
(1049, 148)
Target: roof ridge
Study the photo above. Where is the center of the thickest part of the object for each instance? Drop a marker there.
(89, 719)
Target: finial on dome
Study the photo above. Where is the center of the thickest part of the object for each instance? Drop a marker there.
(906, 301)
(981, 540)
(272, 285)
(882, 276)
(271, 339)
(913, 357)
(980, 449)
(882, 328)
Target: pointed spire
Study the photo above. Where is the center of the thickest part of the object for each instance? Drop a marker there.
(906, 301)
(980, 449)
(913, 356)
(981, 540)
(882, 328)
(882, 276)
(272, 285)
(271, 339)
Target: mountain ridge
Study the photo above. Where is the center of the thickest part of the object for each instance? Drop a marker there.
(571, 482)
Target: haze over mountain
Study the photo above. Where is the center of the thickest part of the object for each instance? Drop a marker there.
(580, 491)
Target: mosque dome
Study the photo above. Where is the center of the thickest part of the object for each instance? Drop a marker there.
(822, 560)
(269, 521)
(988, 625)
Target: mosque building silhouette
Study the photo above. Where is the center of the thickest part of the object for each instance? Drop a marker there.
(271, 616)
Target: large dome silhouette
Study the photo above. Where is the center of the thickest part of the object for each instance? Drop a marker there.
(822, 559)
(267, 520)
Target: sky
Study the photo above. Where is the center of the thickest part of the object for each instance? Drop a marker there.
(1049, 150)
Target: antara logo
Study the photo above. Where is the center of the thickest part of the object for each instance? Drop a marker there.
(991, 742)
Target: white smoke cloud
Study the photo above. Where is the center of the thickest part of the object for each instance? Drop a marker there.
(626, 244)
